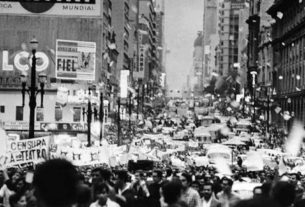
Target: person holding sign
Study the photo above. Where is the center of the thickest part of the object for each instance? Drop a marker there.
(9, 186)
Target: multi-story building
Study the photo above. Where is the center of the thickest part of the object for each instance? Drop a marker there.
(121, 27)
(197, 72)
(288, 42)
(242, 47)
(265, 60)
(148, 18)
(73, 38)
(160, 7)
(229, 32)
(109, 73)
(253, 22)
(210, 36)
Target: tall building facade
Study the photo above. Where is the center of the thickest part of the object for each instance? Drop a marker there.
(288, 42)
(229, 34)
(160, 9)
(73, 38)
(242, 47)
(253, 21)
(147, 67)
(121, 27)
(210, 37)
(197, 72)
(265, 56)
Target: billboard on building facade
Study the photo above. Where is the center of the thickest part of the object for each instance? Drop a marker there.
(75, 60)
(14, 62)
(53, 8)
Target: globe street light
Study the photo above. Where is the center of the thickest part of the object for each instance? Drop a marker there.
(32, 90)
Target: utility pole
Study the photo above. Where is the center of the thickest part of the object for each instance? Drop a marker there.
(89, 118)
(32, 93)
(101, 116)
(143, 97)
(268, 111)
(119, 119)
(138, 102)
(129, 112)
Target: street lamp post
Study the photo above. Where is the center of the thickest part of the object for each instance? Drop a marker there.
(268, 111)
(119, 119)
(101, 116)
(290, 114)
(138, 101)
(89, 119)
(143, 97)
(129, 112)
(32, 90)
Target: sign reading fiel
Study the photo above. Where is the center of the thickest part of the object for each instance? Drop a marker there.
(75, 60)
(51, 7)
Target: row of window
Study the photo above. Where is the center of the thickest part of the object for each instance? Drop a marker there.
(292, 61)
(40, 113)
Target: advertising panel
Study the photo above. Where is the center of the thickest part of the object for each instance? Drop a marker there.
(14, 62)
(19, 125)
(75, 60)
(47, 126)
(54, 7)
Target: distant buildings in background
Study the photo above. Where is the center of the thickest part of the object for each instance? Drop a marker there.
(224, 41)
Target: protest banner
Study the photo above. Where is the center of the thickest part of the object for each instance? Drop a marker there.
(3, 140)
(25, 151)
(82, 156)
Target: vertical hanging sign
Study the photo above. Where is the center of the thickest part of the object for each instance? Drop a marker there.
(124, 83)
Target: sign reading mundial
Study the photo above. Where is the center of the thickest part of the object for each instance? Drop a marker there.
(51, 7)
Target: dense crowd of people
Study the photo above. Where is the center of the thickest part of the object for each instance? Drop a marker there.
(58, 183)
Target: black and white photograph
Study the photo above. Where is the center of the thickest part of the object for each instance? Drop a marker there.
(152, 103)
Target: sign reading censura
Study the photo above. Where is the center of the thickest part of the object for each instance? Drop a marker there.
(75, 60)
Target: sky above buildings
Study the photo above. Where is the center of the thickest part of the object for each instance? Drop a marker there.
(183, 18)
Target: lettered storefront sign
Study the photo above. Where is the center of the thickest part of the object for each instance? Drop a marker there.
(23, 61)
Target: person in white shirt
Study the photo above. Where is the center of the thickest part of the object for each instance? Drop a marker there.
(190, 196)
(208, 197)
(102, 195)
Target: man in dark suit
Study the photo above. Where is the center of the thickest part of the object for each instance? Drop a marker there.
(208, 197)
(154, 189)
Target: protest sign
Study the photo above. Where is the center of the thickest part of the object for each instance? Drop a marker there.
(3, 140)
(82, 156)
(25, 151)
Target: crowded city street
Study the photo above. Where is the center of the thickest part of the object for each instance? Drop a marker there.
(152, 103)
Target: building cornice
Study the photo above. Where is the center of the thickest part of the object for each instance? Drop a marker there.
(292, 94)
(290, 34)
(279, 5)
(276, 6)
